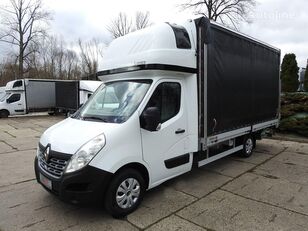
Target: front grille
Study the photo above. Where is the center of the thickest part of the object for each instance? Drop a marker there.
(54, 166)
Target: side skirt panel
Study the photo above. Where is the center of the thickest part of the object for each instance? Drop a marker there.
(220, 155)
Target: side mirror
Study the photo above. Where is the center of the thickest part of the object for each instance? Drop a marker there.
(150, 119)
(8, 101)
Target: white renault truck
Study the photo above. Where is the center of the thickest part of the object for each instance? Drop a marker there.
(27, 95)
(175, 97)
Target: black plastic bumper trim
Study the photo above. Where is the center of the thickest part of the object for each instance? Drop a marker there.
(86, 186)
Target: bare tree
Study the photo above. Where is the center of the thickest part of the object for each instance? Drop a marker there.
(49, 52)
(8, 69)
(51, 58)
(33, 60)
(72, 65)
(89, 52)
(23, 21)
(120, 26)
(123, 24)
(142, 19)
(228, 12)
(59, 61)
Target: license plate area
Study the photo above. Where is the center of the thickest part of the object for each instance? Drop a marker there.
(45, 181)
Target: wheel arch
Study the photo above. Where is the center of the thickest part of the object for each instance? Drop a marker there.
(240, 139)
(140, 168)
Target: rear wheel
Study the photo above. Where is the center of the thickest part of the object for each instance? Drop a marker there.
(125, 193)
(4, 114)
(248, 146)
(51, 113)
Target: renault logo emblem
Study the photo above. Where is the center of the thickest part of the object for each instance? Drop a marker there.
(46, 153)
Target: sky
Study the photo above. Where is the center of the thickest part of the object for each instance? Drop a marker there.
(281, 23)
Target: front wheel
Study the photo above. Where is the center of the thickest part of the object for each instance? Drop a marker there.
(248, 146)
(125, 193)
(4, 114)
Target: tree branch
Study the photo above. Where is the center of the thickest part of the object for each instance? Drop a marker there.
(226, 11)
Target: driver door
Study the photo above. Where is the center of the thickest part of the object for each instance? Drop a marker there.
(166, 149)
(16, 103)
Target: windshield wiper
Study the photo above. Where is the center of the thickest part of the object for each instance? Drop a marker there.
(93, 118)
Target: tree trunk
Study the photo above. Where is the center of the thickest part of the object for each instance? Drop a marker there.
(21, 64)
(21, 43)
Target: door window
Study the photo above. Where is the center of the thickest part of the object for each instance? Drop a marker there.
(18, 83)
(13, 98)
(167, 98)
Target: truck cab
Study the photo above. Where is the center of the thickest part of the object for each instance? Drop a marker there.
(142, 121)
(13, 102)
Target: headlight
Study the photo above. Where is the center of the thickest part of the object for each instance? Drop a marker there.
(86, 153)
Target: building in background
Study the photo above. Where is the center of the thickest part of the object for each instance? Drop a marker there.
(301, 78)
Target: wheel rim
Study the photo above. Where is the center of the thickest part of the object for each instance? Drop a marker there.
(249, 145)
(128, 193)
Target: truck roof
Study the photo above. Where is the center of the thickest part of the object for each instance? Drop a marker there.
(153, 45)
(156, 48)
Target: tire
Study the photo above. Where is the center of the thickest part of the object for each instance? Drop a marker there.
(4, 114)
(248, 146)
(129, 186)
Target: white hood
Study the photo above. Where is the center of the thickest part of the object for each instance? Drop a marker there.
(70, 134)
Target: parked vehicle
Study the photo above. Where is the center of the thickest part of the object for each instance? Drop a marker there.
(27, 95)
(35, 95)
(174, 97)
(72, 94)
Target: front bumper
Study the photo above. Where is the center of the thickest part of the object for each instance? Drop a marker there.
(87, 185)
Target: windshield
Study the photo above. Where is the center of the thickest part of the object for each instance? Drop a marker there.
(3, 96)
(114, 102)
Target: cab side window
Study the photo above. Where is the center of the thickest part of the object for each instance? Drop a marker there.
(13, 98)
(167, 98)
(18, 83)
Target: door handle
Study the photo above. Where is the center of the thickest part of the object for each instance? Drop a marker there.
(179, 131)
